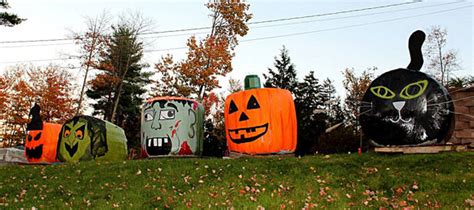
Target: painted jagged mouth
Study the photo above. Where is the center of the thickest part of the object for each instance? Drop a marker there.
(34, 152)
(158, 146)
(238, 135)
(71, 150)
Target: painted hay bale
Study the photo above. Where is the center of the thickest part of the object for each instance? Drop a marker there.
(88, 138)
(41, 145)
(172, 126)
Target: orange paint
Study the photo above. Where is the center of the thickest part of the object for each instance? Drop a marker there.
(41, 145)
(261, 121)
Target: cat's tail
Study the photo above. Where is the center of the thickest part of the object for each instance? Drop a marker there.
(414, 45)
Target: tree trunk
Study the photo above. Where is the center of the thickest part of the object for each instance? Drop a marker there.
(441, 65)
(119, 89)
(201, 93)
(116, 101)
(89, 57)
(202, 88)
(82, 91)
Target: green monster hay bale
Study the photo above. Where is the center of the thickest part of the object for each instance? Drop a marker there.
(88, 138)
(172, 126)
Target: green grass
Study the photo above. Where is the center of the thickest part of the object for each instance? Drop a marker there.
(335, 181)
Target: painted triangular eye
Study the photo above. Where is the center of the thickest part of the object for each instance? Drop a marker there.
(232, 108)
(38, 136)
(253, 103)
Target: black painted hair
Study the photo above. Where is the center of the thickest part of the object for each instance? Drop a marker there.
(163, 102)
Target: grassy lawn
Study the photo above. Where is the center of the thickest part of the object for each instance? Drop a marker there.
(335, 181)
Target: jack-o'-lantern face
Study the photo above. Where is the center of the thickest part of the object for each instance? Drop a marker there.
(260, 121)
(259, 126)
(41, 145)
(34, 145)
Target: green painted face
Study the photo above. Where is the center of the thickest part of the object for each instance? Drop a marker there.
(75, 141)
(171, 127)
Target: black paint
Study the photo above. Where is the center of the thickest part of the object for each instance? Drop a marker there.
(424, 119)
(36, 122)
(34, 152)
(154, 150)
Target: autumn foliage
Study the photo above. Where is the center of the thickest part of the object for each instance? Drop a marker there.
(207, 59)
(92, 44)
(355, 89)
(22, 85)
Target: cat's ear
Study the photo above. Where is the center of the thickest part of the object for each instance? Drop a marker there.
(414, 45)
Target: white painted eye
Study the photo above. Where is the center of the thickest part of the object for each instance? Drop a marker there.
(148, 116)
(167, 114)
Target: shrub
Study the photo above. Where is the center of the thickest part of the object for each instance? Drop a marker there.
(341, 140)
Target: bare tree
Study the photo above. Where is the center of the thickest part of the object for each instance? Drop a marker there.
(92, 44)
(440, 61)
(235, 85)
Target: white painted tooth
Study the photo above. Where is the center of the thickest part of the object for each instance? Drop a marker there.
(165, 140)
(149, 142)
(160, 142)
(155, 141)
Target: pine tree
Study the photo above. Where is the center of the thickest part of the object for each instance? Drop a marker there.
(8, 19)
(310, 113)
(122, 77)
(284, 76)
(332, 103)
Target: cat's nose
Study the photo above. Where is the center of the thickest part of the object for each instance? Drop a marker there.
(398, 105)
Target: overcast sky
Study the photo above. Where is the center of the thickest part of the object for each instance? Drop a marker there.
(325, 44)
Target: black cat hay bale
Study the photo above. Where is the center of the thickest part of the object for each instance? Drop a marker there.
(407, 107)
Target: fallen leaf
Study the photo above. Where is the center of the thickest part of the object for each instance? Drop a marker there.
(322, 192)
(469, 202)
(399, 191)
(372, 170)
(402, 203)
(414, 187)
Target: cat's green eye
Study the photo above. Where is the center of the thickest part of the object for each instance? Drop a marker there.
(414, 90)
(382, 92)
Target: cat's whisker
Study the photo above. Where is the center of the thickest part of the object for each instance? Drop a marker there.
(460, 89)
(431, 100)
(463, 114)
(365, 112)
(446, 102)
